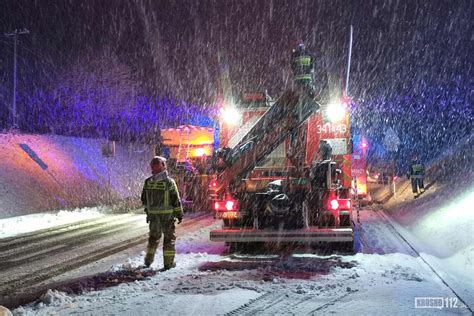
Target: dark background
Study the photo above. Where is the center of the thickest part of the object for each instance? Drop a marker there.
(411, 66)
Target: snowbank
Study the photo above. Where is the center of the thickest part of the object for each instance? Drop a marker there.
(28, 223)
(41, 173)
(440, 224)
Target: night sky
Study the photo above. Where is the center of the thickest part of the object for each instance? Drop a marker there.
(407, 55)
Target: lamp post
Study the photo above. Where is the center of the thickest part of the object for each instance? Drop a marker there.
(15, 34)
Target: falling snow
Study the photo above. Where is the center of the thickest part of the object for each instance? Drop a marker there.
(92, 71)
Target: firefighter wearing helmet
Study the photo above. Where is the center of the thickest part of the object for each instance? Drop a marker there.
(162, 203)
(417, 175)
(303, 70)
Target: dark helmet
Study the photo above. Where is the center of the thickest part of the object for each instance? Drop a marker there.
(280, 204)
(301, 47)
(325, 150)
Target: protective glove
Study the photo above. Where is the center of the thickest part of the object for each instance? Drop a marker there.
(180, 219)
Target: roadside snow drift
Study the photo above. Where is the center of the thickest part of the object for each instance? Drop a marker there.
(440, 223)
(41, 173)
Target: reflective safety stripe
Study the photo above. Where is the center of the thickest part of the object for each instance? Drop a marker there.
(158, 212)
(177, 210)
(173, 187)
(169, 253)
(346, 162)
(153, 185)
(167, 198)
(303, 77)
(303, 60)
(417, 168)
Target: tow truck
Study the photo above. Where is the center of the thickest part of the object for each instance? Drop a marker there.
(308, 198)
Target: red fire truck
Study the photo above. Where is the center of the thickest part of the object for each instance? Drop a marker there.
(285, 174)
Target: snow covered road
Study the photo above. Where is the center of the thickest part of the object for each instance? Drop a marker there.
(29, 261)
(385, 276)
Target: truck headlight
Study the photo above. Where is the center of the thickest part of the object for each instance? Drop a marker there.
(335, 112)
(230, 116)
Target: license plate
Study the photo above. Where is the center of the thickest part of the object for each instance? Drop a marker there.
(226, 215)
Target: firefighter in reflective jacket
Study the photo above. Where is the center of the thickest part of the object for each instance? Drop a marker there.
(417, 174)
(160, 197)
(302, 66)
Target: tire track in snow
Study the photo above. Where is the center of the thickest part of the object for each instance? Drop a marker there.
(282, 303)
(265, 302)
(35, 237)
(331, 302)
(37, 250)
(24, 287)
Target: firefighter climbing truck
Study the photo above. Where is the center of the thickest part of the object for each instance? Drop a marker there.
(302, 194)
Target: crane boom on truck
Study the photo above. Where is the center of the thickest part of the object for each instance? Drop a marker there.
(275, 125)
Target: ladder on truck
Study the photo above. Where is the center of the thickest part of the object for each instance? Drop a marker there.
(286, 115)
(187, 132)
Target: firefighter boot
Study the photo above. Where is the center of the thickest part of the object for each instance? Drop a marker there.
(168, 259)
(149, 259)
(150, 251)
(421, 185)
(165, 268)
(169, 248)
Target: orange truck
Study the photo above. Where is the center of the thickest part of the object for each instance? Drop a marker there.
(190, 150)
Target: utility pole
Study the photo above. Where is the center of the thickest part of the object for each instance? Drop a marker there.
(15, 34)
(349, 62)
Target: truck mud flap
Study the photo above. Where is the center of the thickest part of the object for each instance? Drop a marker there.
(310, 235)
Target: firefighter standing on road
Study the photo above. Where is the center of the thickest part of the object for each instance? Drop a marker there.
(162, 203)
(417, 174)
(303, 71)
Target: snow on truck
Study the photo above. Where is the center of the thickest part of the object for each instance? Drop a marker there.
(283, 173)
